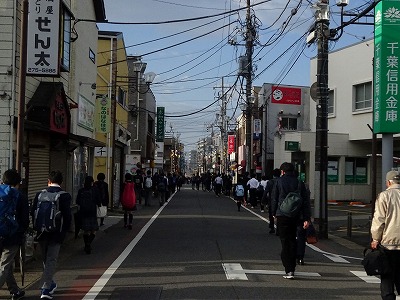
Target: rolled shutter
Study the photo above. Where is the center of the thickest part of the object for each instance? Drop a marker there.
(38, 170)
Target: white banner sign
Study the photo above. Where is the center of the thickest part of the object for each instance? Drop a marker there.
(43, 38)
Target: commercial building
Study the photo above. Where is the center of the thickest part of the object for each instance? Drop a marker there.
(350, 139)
(58, 130)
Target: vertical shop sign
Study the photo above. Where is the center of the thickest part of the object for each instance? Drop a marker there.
(160, 124)
(386, 67)
(103, 114)
(43, 38)
(231, 144)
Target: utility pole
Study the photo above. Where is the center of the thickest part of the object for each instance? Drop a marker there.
(22, 87)
(249, 55)
(321, 143)
(223, 129)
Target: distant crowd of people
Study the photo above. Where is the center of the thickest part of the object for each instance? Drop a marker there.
(285, 196)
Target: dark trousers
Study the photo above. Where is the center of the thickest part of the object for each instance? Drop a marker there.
(388, 282)
(253, 197)
(301, 241)
(218, 188)
(287, 228)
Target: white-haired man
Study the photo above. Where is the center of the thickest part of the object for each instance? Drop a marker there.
(385, 231)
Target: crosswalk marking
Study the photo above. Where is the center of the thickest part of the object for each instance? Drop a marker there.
(363, 276)
(234, 271)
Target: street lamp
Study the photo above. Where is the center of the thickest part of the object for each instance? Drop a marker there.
(138, 66)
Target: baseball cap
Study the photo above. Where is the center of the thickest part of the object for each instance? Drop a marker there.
(392, 174)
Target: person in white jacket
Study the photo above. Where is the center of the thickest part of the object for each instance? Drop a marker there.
(385, 231)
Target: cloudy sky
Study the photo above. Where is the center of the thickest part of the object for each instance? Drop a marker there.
(192, 57)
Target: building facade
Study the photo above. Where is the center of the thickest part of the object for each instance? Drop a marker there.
(350, 139)
(112, 88)
(59, 130)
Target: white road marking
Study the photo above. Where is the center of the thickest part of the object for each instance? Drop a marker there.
(234, 271)
(363, 276)
(336, 258)
(102, 281)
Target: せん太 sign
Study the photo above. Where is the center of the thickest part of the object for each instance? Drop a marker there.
(386, 67)
(43, 38)
(286, 95)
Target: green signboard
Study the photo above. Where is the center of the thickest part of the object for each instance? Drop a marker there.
(386, 67)
(103, 114)
(292, 146)
(160, 124)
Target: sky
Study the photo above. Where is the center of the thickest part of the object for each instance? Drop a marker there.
(193, 58)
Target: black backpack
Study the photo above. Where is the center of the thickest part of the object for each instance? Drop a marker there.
(292, 204)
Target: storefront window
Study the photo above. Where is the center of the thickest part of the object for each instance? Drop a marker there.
(333, 169)
(356, 170)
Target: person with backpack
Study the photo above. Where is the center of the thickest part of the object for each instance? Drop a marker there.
(290, 206)
(88, 199)
(52, 217)
(148, 188)
(128, 200)
(102, 186)
(13, 204)
(239, 194)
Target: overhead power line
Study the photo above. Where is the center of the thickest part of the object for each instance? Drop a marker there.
(171, 46)
(172, 21)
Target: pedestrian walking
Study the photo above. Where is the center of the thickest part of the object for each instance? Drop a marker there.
(162, 188)
(385, 232)
(128, 200)
(239, 194)
(268, 196)
(252, 185)
(14, 204)
(50, 238)
(148, 188)
(102, 186)
(218, 182)
(88, 199)
(138, 180)
(287, 223)
(260, 192)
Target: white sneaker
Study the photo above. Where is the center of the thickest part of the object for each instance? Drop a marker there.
(262, 210)
(289, 275)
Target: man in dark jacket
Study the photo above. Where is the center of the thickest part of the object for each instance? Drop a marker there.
(12, 243)
(287, 225)
(50, 242)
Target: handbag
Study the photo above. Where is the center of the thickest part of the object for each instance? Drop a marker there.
(311, 234)
(101, 211)
(376, 261)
